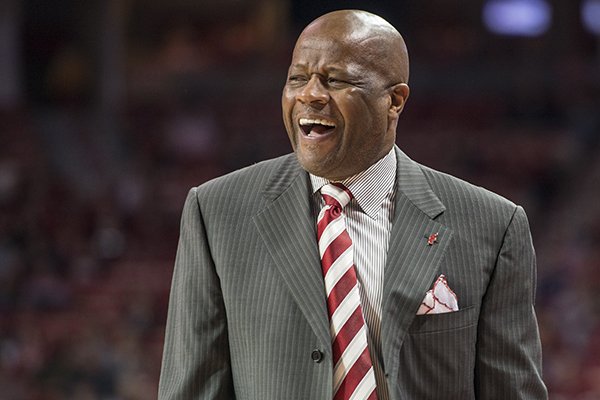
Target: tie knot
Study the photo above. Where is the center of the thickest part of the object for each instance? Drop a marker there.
(336, 194)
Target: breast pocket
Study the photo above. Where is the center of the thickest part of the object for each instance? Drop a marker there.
(441, 348)
(431, 323)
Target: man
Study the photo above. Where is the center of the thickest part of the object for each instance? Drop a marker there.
(438, 278)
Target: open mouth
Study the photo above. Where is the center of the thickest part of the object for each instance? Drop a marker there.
(315, 127)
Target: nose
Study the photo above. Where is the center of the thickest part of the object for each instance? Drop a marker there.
(314, 93)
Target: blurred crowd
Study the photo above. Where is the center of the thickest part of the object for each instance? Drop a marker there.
(90, 195)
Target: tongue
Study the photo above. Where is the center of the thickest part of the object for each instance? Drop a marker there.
(319, 129)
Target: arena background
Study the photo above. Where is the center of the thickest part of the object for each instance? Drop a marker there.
(111, 110)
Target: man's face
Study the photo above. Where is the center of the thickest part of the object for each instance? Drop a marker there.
(336, 106)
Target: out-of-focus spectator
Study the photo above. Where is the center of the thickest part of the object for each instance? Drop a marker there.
(86, 253)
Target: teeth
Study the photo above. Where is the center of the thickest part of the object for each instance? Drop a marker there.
(308, 121)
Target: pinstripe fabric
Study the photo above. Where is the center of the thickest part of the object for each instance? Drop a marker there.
(247, 314)
(369, 223)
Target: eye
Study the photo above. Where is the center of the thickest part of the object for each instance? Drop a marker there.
(297, 79)
(336, 82)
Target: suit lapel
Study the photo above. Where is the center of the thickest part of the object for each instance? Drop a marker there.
(288, 231)
(412, 264)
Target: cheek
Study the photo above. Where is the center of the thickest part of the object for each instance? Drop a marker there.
(352, 107)
(287, 104)
(286, 101)
(363, 114)
(361, 105)
(380, 114)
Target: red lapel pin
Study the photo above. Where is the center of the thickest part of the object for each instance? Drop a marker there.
(432, 239)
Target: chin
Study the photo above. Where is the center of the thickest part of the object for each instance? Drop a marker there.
(313, 169)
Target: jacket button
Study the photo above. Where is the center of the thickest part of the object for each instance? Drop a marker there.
(316, 355)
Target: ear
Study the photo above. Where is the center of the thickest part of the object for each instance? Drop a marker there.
(399, 94)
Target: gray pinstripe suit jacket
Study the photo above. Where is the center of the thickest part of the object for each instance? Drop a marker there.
(247, 306)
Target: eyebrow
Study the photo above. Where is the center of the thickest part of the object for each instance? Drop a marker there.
(297, 66)
(328, 69)
(338, 70)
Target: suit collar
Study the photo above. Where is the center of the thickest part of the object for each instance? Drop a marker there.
(411, 183)
(284, 175)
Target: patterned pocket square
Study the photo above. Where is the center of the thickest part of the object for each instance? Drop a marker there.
(439, 299)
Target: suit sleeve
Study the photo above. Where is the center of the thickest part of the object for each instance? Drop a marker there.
(196, 362)
(509, 350)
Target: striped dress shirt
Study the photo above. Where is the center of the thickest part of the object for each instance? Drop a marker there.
(369, 223)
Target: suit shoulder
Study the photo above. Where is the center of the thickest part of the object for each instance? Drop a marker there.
(241, 192)
(247, 179)
(459, 193)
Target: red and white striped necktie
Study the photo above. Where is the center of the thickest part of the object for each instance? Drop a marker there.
(353, 375)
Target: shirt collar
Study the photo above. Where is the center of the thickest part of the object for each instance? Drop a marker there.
(369, 187)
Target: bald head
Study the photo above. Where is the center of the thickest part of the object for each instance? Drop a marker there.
(345, 90)
(372, 36)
